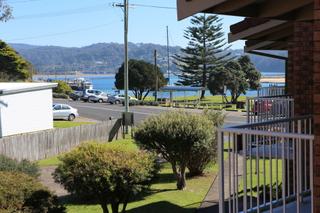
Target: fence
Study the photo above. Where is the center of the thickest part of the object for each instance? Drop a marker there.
(48, 143)
(272, 90)
(266, 165)
(260, 109)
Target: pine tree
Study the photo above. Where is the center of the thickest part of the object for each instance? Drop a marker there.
(206, 50)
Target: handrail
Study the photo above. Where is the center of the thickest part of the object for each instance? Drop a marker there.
(283, 120)
(267, 133)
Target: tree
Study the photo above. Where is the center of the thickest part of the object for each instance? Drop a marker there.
(142, 78)
(13, 67)
(206, 50)
(237, 75)
(175, 135)
(107, 175)
(5, 11)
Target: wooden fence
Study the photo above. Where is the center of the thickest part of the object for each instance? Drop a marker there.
(48, 143)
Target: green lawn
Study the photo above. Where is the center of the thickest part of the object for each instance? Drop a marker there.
(162, 196)
(67, 124)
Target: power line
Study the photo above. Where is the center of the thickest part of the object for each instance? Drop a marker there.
(61, 33)
(153, 6)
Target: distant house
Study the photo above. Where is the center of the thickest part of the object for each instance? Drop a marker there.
(25, 107)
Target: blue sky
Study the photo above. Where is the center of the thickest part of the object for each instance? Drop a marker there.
(76, 23)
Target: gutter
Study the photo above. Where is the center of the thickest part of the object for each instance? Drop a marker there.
(31, 89)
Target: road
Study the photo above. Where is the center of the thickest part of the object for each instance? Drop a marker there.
(103, 111)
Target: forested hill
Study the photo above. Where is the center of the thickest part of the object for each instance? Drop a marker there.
(107, 57)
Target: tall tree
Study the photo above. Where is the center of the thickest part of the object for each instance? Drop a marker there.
(142, 78)
(13, 67)
(237, 75)
(206, 50)
(5, 11)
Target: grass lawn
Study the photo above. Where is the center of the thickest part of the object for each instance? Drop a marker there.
(162, 196)
(67, 124)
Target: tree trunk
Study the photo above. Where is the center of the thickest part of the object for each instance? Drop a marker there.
(147, 92)
(104, 207)
(115, 207)
(181, 179)
(203, 92)
(125, 205)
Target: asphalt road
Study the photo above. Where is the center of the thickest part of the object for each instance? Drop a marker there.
(103, 111)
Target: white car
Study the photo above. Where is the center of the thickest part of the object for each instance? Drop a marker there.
(64, 111)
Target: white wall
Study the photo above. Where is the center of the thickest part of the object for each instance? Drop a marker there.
(26, 112)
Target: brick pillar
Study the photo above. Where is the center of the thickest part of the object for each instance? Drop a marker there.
(316, 99)
(300, 68)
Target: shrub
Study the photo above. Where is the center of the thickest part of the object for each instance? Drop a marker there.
(62, 88)
(17, 190)
(60, 95)
(175, 135)
(108, 175)
(10, 165)
(43, 201)
(205, 152)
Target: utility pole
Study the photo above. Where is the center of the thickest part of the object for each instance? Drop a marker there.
(168, 56)
(156, 72)
(126, 72)
(125, 7)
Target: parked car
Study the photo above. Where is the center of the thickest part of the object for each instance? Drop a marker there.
(117, 99)
(90, 92)
(76, 95)
(64, 111)
(98, 97)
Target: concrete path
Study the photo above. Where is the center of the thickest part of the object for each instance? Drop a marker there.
(47, 180)
(210, 204)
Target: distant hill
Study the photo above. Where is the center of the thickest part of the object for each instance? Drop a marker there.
(107, 57)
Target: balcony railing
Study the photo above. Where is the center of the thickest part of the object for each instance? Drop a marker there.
(266, 166)
(272, 90)
(260, 109)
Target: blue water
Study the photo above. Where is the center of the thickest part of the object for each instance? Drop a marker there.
(106, 84)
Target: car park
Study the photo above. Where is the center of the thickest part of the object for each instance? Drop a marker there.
(64, 111)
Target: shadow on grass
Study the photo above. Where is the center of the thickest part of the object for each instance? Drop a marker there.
(161, 207)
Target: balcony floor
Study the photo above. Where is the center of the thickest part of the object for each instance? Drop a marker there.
(292, 207)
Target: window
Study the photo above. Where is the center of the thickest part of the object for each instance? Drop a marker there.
(64, 107)
(57, 107)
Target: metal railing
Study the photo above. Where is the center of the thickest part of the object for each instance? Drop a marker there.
(266, 165)
(272, 90)
(260, 109)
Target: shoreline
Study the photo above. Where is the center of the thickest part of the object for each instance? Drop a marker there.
(264, 79)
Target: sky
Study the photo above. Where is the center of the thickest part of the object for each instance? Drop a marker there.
(77, 23)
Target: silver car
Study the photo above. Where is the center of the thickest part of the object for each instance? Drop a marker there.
(64, 111)
(98, 96)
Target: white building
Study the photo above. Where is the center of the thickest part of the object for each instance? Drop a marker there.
(25, 107)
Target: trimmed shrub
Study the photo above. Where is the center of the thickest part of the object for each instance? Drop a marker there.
(176, 135)
(24, 166)
(206, 151)
(17, 190)
(109, 175)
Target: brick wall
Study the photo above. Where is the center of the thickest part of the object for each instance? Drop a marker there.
(316, 99)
